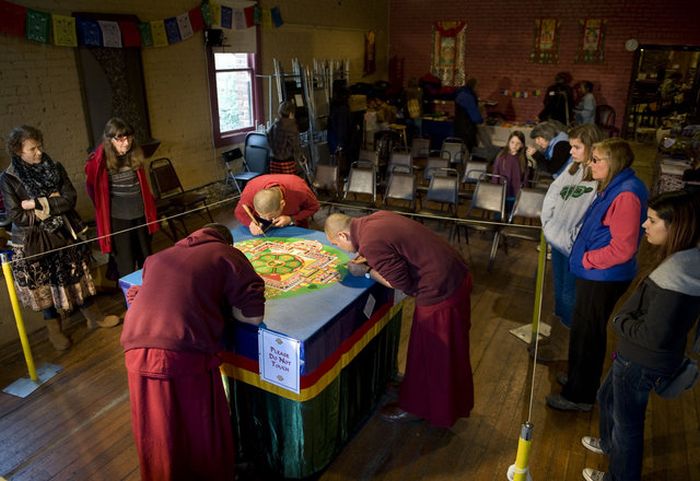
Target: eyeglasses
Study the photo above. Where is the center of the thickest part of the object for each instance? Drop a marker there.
(121, 138)
(595, 160)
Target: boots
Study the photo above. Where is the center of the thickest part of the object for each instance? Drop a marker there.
(556, 348)
(95, 318)
(60, 341)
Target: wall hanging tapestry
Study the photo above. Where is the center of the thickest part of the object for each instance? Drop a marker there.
(449, 40)
(545, 48)
(592, 44)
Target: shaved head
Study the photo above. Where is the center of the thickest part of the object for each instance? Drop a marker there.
(268, 201)
(337, 223)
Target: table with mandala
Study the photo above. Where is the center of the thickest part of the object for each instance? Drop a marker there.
(348, 328)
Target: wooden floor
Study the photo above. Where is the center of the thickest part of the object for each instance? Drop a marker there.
(77, 427)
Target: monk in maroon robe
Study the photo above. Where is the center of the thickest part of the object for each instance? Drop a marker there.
(172, 333)
(403, 254)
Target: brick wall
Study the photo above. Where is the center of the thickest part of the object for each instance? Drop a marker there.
(500, 36)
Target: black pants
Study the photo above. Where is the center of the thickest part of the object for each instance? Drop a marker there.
(595, 301)
(131, 248)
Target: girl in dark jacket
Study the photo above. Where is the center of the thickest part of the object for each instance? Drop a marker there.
(652, 330)
(38, 194)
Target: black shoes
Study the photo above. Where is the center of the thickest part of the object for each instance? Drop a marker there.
(557, 401)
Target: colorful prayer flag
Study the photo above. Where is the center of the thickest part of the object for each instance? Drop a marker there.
(205, 8)
(184, 25)
(257, 15)
(239, 22)
(266, 18)
(111, 35)
(196, 19)
(226, 17)
(249, 16)
(146, 34)
(276, 17)
(13, 19)
(172, 30)
(130, 33)
(160, 38)
(64, 30)
(89, 33)
(215, 14)
(38, 26)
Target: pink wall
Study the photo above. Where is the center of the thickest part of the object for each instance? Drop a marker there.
(500, 34)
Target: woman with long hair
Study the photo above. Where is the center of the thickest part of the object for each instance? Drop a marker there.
(38, 194)
(652, 329)
(117, 185)
(603, 259)
(565, 204)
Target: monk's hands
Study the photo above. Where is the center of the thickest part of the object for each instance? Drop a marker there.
(282, 221)
(255, 228)
(358, 267)
(131, 294)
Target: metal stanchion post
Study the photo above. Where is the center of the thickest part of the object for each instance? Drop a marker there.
(23, 387)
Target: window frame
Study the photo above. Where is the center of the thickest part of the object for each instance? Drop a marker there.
(222, 139)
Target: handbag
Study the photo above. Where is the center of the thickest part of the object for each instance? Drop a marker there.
(685, 377)
(38, 240)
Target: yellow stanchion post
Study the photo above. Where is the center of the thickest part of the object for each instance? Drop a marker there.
(24, 387)
(7, 272)
(539, 286)
(520, 471)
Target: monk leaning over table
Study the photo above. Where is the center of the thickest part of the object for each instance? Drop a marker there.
(405, 255)
(278, 200)
(172, 334)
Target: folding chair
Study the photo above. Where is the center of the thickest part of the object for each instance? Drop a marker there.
(472, 171)
(434, 163)
(171, 197)
(490, 200)
(362, 180)
(326, 182)
(401, 187)
(402, 159)
(420, 148)
(527, 207)
(443, 190)
(454, 150)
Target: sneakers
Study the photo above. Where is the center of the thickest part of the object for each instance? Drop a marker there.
(592, 444)
(557, 401)
(593, 474)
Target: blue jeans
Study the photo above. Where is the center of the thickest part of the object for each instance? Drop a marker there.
(623, 401)
(564, 287)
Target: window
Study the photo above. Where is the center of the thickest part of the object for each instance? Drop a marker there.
(234, 95)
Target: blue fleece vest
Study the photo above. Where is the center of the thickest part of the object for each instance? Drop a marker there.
(594, 235)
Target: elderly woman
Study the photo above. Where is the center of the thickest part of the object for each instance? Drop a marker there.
(554, 148)
(603, 259)
(117, 185)
(39, 195)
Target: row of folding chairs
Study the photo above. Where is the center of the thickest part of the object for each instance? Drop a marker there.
(443, 197)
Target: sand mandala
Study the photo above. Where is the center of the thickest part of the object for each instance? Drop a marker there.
(291, 266)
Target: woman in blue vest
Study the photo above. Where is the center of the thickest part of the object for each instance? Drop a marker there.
(603, 259)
